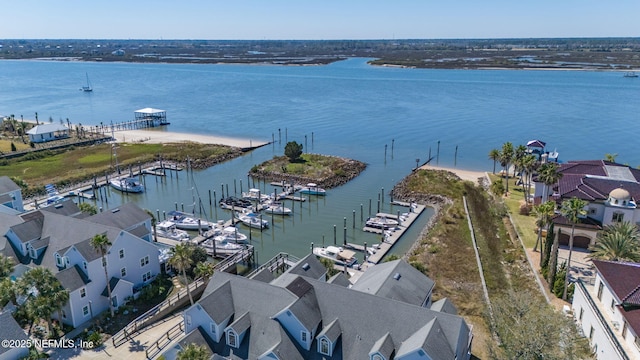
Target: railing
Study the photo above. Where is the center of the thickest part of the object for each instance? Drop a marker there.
(235, 258)
(280, 259)
(603, 322)
(146, 319)
(155, 348)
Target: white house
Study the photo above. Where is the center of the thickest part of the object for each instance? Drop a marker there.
(608, 311)
(51, 238)
(47, 132)
(10, 196)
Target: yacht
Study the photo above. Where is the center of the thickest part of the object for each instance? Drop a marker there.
(127, 184)
(231, 234)
(167, 229)
(220, 247)
(255, 194)
(251, 219)
(313, 189)
(381, 222)
(276, 208)
(186, 221)
(336, 254)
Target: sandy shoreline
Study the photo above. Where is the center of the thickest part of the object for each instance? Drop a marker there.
(461, 173)
(163, 137)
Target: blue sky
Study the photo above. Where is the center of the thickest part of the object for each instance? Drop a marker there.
(317, 20)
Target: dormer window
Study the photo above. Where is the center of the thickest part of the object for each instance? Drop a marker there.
(324, 347)
(59, 260)
(377, 357)
(232, 339)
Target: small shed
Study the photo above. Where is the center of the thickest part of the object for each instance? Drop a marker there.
(48, 132)
(151, 117)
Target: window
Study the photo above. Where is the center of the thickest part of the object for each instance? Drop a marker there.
(59, 260)
(123, 272)
(624, 330)
(303, 336)
(591, 331)
(146, 276)
(188, 320)
(85, 310)
(600, 287)
(617, 217)
(121, 253)
(613, 304)
(324, 347)
(637, 342)
(377, 357)
(84, 265)
(232, 339)
(213, 329)
(144, 261)
(581, 312)
(83, 292)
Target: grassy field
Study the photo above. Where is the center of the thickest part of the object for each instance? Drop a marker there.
(312, 166)
(77, 164)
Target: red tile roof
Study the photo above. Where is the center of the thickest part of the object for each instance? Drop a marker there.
(624, 281)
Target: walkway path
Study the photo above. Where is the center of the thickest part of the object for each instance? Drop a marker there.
(134, 349)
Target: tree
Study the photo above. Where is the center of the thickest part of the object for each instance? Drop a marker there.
(154, 222)
(194, 351)
(44, 292)
(100, 242)
(617, 242)
(497, 187)
(293, 151)
(88, 208)
(204, 269)
(544, 212)
(610, 157)
(181, 260)
(506, 156)
(527, 166)
(6, 266)
(545, 252)
(572, 209)
(519, 153)
(494, 155)
(548, 174)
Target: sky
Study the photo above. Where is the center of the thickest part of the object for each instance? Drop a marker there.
(317, 20)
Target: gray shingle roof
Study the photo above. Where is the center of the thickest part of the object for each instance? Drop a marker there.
(7, 185)
(123, 217)
(308, 266)
(444, 305)
(331, 331)
(66, 207)
(9, 329)
(396, 280)
(384, 346)
(29, 230)
(218, 303)
(72, 278)
(339, 279)
(430, 339)
(241, 324)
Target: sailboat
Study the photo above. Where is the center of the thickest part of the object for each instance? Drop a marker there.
(87, 87)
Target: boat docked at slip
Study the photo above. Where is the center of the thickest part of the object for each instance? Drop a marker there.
(167, 229)
(336, 254)
(127, 184)
(186, 221)
(231, 234)
(277, 208)
(255, 195)
(313, 189)
(251, 219)
(381, 222)
(220, 247)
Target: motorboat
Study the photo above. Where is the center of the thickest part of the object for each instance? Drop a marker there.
(630, 74)
(127, 184)
(381, 222)
(255, 195)
(231, 234)
(276, 208)
(251, 219)
(167, 229)
(186, 221)
(336, 254)
(220, 247)
(313, 189)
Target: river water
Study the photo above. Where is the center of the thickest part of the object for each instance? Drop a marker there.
(386, 117)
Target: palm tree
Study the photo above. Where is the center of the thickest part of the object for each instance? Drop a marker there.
(49, 297)
(548, 174)
(519, 153)
(494, 155)
(7, 292)
(610, 157)
(100, 242)
(181, 260)
(6, 266)
(572, 209)
(193, 351)
(529, 165)
(617, 242)
(506, 156)
(153, 223)
(544, 212)
(204, 270)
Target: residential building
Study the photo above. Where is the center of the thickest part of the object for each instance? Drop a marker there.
(58, 238)
(608, 310)
(610, 189)
(47, 132)
(10, 330)
(304, 317)
(10, 196)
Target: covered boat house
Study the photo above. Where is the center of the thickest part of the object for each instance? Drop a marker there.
(48, 132)
(150, 117)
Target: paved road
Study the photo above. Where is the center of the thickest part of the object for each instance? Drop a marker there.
(134, 349)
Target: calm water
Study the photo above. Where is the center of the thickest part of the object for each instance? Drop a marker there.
(349, 109)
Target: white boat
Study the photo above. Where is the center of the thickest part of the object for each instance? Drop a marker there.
(53, 196)
(630, 74)
(220, 247)
(127, 184)
(87, 88)
(251, 219)
(336, 254)
(255, 194)
(167, 229)
(381, 222)
(186, 221)
(232, 235)
(313, 189)
(276, 208)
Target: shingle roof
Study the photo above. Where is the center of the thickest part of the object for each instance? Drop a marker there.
(339, 279)
(72, 278)
(430, 339)
(396, 280)
(331, 331)
(384, 346)
(9, 329)
(123, 217)
(308, 266)
(7, 185)
(241, 324)
(66, 207)
(444, 305)
(29, 230)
